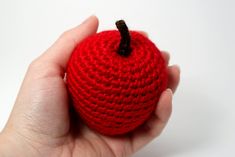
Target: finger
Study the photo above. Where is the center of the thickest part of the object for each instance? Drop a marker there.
(61, 50)
(164, 108)
(143, 33)
(173, 77)
(154, 126)
(166, 56)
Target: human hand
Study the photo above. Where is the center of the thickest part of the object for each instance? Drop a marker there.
(43, 124)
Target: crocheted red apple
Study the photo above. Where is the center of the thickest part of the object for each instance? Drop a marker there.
(115, 79)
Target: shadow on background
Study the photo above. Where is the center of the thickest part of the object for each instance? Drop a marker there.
(192, 126)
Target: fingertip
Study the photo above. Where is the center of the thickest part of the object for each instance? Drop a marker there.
(166, 53)
(91, 18)
(91, 24)
(168, 91)
(95, 19)
(61, 50)
(174, 77)
(166, 56)
(164, 108)
(155, 125)
(143, 33)
(177, 68)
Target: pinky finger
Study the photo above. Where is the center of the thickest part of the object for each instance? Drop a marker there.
(154, 126)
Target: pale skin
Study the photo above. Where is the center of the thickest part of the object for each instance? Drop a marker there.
(42, 124)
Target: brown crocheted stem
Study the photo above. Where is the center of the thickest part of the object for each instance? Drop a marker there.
(125, 43)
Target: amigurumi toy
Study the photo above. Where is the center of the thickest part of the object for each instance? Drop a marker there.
(115, 79)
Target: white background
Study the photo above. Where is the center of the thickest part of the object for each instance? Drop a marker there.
(199, 34)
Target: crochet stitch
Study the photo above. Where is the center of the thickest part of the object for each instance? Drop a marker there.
(115, 93)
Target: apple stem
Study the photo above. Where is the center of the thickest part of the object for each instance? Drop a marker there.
(124, 46)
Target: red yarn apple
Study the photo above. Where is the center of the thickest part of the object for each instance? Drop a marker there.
(115, 79)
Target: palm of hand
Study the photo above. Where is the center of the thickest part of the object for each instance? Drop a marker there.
(44, 123)
(69, 136)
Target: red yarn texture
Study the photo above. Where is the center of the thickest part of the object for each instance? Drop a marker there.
(115, 94)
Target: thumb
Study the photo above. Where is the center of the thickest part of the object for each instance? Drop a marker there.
(42, 103)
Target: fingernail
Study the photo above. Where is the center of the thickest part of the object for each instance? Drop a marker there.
(169, 91)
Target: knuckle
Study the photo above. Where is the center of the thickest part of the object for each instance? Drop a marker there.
(65, 35)
(35, 64)
(40, 69)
